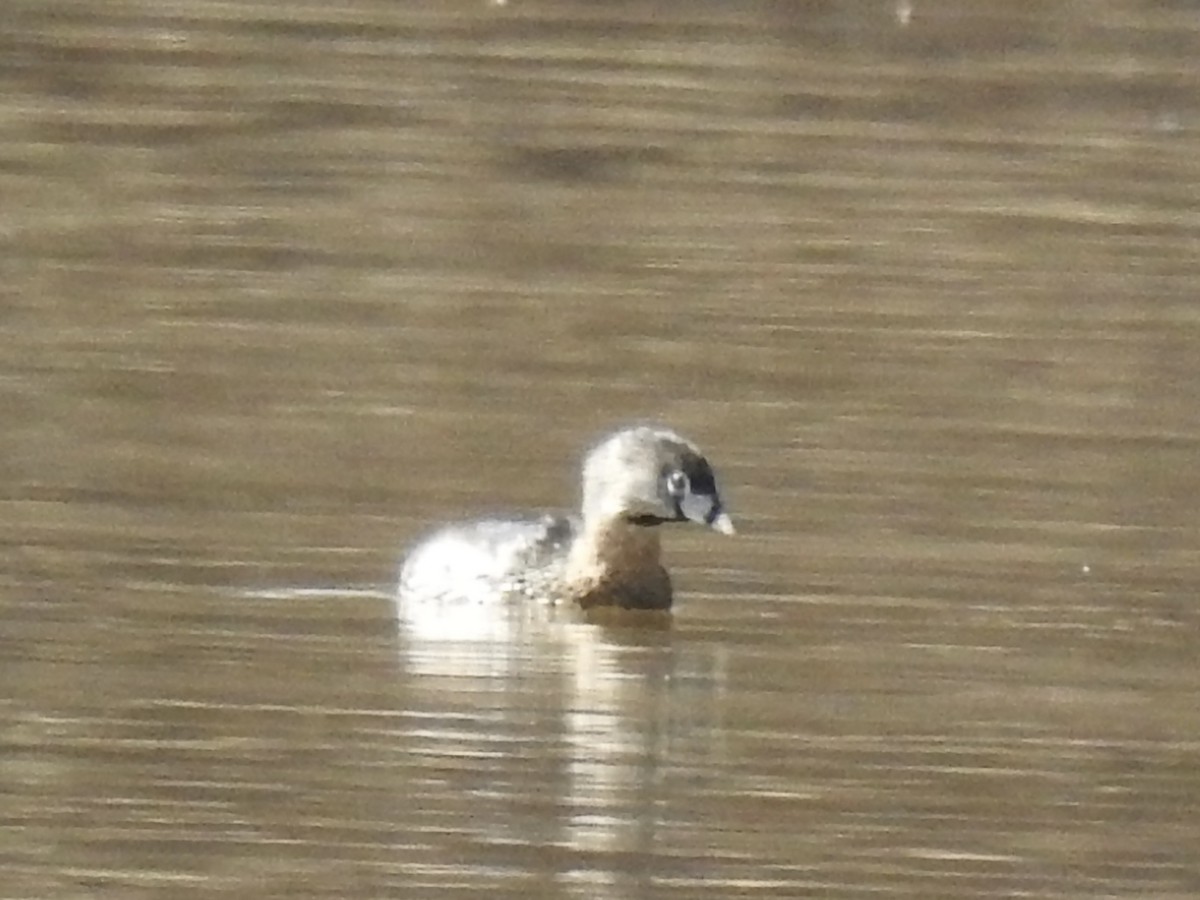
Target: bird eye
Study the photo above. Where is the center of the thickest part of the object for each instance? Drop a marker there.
(677, 484)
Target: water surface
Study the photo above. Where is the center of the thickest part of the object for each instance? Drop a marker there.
(283, 287)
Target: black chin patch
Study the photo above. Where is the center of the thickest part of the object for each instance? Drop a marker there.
(647, 521)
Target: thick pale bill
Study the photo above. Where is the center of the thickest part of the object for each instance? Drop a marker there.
(723, 524)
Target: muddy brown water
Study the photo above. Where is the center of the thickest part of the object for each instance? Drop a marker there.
(286, 284)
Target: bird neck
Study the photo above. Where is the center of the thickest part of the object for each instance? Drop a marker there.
(616, 563)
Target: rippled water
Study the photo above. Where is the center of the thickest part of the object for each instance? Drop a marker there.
(286, 284)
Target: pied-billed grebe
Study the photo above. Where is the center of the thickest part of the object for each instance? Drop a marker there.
(633, 481)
